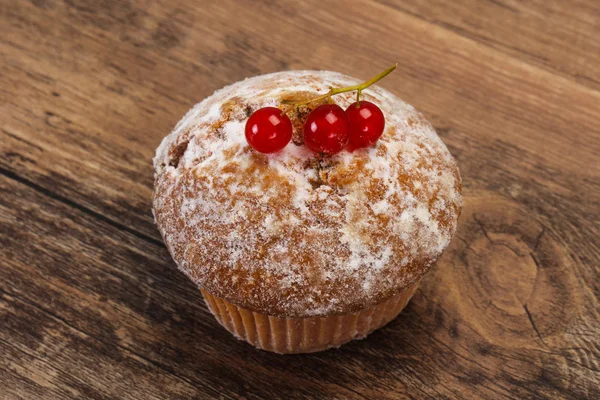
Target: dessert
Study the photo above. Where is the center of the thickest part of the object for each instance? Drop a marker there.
(305, 223)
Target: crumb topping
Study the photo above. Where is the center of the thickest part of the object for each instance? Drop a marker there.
(294, 233)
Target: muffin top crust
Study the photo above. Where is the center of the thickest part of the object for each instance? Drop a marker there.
(295, 233)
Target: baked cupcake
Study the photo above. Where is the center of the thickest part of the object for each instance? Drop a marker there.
(298, 251)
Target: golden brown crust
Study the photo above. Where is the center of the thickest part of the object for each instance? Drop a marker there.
(292, 234)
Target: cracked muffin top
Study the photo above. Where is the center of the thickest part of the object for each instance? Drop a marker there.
(295, 233)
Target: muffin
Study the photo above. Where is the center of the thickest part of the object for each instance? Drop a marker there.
(296, 251)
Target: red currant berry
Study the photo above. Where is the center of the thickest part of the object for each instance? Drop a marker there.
(366, 124)
(268, 130)
(326, 129)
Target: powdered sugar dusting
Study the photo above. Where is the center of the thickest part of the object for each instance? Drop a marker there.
(292, 234)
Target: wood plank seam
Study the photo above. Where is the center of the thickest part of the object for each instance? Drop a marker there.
(49, 193)
(524, 133)
(486, 42)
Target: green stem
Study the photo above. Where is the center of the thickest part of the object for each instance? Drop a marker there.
(333, 91)
(365, 84)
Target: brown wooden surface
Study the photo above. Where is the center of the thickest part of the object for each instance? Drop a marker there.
(91, 305)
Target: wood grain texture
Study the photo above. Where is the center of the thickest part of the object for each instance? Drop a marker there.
(91, 305)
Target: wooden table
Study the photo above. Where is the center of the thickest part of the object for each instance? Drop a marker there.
(91, 304)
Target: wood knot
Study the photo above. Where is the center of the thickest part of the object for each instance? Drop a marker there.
(510, 273)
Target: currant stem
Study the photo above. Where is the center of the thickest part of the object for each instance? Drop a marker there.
(333, 91)
(365, 84)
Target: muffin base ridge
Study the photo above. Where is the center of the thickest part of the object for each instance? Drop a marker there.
(305, 335)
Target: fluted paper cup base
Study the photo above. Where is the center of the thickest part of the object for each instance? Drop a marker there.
(305, 335)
